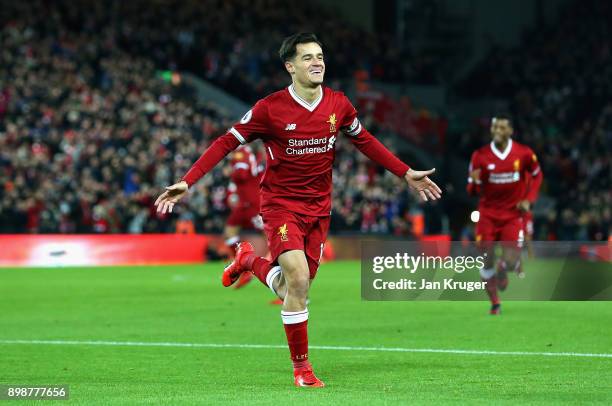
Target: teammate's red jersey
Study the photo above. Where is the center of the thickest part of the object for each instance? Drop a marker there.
(299, 140)
(506, 178)
(245, 178)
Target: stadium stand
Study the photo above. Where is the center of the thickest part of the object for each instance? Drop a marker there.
(88, 128)
(89, 132)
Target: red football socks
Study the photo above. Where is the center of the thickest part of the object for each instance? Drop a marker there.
(295, 323)
(262, 269)
(296, 329)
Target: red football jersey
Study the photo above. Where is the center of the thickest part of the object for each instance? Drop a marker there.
(299, 139)
(245, 178)
(505, 178)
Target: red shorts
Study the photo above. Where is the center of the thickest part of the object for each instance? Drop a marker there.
(528, 223)
(247, 218)
(493, 229)
(291, 231)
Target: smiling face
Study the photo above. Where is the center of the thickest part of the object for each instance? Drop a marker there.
(501, 130)
(307, 66)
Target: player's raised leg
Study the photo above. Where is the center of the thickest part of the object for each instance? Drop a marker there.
(246, 261)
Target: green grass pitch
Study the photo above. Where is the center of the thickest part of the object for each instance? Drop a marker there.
(187, 304)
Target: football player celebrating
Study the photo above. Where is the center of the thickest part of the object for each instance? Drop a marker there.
(298, 126)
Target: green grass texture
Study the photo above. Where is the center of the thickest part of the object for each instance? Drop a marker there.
(172, 335)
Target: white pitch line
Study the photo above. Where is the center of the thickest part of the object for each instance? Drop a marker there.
(313, 347)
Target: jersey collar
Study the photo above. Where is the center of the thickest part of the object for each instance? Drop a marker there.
(502, 155)
(308, 106)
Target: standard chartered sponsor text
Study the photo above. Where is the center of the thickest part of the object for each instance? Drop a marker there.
(312, 146)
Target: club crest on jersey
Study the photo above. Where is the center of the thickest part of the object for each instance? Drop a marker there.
(332, 123)
(282, 231)
(517, 165)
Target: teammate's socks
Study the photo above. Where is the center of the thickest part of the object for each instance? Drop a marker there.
(296, 329)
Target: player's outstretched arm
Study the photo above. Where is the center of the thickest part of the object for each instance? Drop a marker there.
(166, 201)
(425, 187)
(211, 157)
(377, 152)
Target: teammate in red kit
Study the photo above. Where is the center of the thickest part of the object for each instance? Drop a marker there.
(243, 199)
(298, 126)
(507, 177)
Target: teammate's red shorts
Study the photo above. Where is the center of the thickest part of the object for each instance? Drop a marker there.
(247, 218)
(507, 230)
(291, 231)
(528, 223)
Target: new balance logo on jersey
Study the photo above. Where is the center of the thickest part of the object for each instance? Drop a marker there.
(290, 127)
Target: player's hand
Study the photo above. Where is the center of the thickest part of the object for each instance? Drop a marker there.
(165, 202)
(524, 205)
(425, 187)
(475, 175)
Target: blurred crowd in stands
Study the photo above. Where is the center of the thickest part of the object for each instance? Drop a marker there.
(90, 134)
(559, 84)
(235, 43)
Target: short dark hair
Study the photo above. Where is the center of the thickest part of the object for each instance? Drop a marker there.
(504, 116)
(288, 48)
